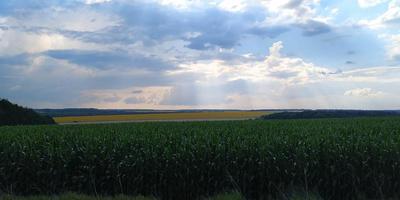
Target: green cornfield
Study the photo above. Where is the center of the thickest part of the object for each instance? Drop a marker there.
(334, 158)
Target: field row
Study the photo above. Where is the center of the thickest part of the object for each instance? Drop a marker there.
(217, 115)
(72, 196)
(335, 158)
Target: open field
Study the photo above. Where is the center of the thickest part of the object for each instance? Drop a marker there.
(334, 158)
(184, 116)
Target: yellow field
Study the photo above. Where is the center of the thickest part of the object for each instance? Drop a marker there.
(229, 115)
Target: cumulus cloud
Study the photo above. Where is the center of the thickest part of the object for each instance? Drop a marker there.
(290, 69)
(363, 92)
(270, 78)
(300, 13)
(275, 66)
(275, 49)
(390, 18)
(393, 46)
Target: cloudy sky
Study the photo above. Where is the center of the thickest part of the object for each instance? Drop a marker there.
(178, 54)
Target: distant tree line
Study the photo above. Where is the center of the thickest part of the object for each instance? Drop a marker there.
(13, 114)
(315, 114)
(93, 112)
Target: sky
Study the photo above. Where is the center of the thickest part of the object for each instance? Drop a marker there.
(191, 54)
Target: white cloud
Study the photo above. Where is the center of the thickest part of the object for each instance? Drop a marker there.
(390, 17)
(275, 66)
(3, 20)
(291, 69)
(230, 74)
(334, 11)
(369, 3)
(292, 11)
(275, 49)
(394, 47)
(363, 92)
(268, 81)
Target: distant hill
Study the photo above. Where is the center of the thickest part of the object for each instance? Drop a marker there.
(315, 114)
(13, 114)
(94, 111)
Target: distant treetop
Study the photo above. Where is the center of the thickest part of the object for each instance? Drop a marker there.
(315, 114)
(13, 114)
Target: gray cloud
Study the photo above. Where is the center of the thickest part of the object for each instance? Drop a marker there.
(107, 60)
(153, 22)
(293, 3)
(313, 27)
(58, 84)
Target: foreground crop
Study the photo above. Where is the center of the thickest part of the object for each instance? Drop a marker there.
(338, 159)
